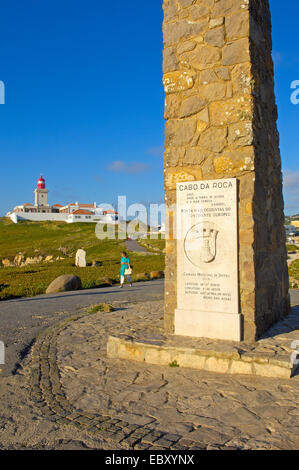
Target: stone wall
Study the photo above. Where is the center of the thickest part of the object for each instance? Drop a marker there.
(221, 122)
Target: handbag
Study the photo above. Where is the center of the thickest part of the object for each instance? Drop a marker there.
(128, 271)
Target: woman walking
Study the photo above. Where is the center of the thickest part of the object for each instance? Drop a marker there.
(125, 269)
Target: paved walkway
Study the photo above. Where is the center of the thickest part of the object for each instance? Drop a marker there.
(22, 319)
(133, 245)
(295, 297)
(70, 396)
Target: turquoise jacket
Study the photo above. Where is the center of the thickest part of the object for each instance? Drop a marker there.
(124, 266)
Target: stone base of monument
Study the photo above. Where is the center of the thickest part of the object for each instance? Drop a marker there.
(225, 326)
(274, 355)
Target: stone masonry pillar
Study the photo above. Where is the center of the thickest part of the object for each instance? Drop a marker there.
(221, 117)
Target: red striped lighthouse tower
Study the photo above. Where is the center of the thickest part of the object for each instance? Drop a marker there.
(41, 196)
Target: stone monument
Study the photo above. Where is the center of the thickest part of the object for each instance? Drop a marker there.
(81, 258)
(226, 262)
(226, 272)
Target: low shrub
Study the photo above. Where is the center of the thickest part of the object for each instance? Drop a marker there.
(103, 307)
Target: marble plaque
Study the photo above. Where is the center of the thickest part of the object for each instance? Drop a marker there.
(207, 260)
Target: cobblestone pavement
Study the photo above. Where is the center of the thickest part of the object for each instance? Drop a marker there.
(22, 319)
(70, 396)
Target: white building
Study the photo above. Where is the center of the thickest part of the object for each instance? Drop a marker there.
(82, 215)
(71, 213)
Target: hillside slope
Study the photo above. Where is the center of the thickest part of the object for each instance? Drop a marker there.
(61, 240)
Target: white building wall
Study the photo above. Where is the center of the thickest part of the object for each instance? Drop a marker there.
(69, 218)
(73, 218)
(37, 217)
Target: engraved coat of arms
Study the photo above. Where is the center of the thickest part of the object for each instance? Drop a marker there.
(200, 243)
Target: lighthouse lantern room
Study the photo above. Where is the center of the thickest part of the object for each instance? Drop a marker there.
(41, 183)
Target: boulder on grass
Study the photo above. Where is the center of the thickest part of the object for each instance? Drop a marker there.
(157, 274)
(142, 277)
(7, 263)
(64, 283)
(106, 281)
(19, 259)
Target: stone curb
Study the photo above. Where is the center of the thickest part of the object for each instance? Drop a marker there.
(224, 362)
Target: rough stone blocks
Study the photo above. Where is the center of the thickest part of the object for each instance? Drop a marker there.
(221, 122)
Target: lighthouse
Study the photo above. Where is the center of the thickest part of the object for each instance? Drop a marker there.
(41, 196)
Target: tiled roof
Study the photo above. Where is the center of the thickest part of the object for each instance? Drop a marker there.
(80, 205)
(82, 211)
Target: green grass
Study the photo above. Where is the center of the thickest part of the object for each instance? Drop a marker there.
(294, 270)
(174, 364)
(292, 248)
(47, 238)
(153, 245)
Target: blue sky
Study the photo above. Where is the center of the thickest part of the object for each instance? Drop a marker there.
(84, 99)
